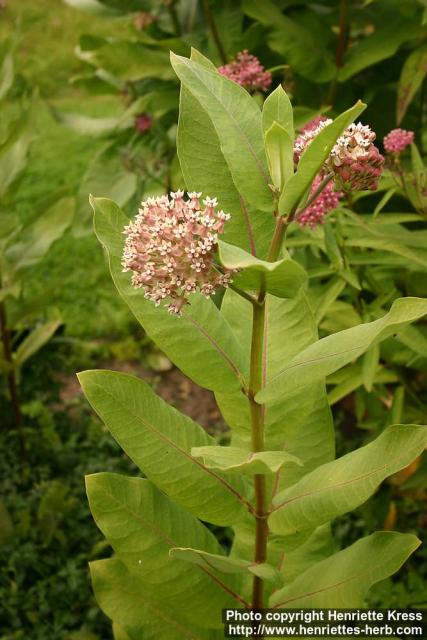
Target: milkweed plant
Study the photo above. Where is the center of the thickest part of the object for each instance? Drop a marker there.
(207, 274)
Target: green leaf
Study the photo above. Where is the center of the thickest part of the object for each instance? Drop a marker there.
(205, 170)
(143, 525)
(216, 360)
(343, 484)
(343, 580)
(370, 365)
(379, 46)
(36, 240)
(125, 598)
(6, 75)
(411, 78)
(127, 60)
(283, 278)
(14, 150)
(237, 122)
(226, 564)
(290, 422)
(106, 175)
(86, 125)
(235, 460)
(335, 351)
(293, 41)
(158, 438)
(35, 341)
(313, 158)
(280, 155)
(278, 108)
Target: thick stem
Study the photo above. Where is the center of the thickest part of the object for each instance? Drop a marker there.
(11, 377)
(214, 31)
(257, 425)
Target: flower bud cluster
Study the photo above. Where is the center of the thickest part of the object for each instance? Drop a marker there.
(397, 140)
(247, 71)
(354, 160)
(327, 200)
(170, 248)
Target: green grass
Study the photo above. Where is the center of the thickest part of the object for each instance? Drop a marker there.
(74, 273)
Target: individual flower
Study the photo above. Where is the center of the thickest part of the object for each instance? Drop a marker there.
(143, 122)
(170, 248)
(397, 140)
(327, 200)
(247, 71)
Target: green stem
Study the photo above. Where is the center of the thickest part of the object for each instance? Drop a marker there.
(214, 31)
(11, 377)
(315, 194)
(257, 430)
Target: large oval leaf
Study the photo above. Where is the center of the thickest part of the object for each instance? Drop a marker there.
(340, 486)
(143, 525)
(159, 440)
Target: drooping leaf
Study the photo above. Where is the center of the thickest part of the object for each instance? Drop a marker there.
(343, 484)
(343, 579)
(127, 600)
(335, 351)
(235, 460)
(379, 46)
(159, 439)
(37, 238)
(35, 341)
(227, 564)
(216, 360)
(108, 176)
(14, 150)
(283, 278)
(237, 122)
(143, 525)
(313, 158)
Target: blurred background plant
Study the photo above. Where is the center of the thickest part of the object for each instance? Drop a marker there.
(103, 120)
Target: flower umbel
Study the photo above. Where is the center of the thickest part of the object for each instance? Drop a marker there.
(247, 71)
(170, 248)
(397, 140)
(355, 161)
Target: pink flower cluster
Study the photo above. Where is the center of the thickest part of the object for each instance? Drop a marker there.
(397, 140)
(355, 161)
(327, 200)
(170, 248)
(247, 71)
